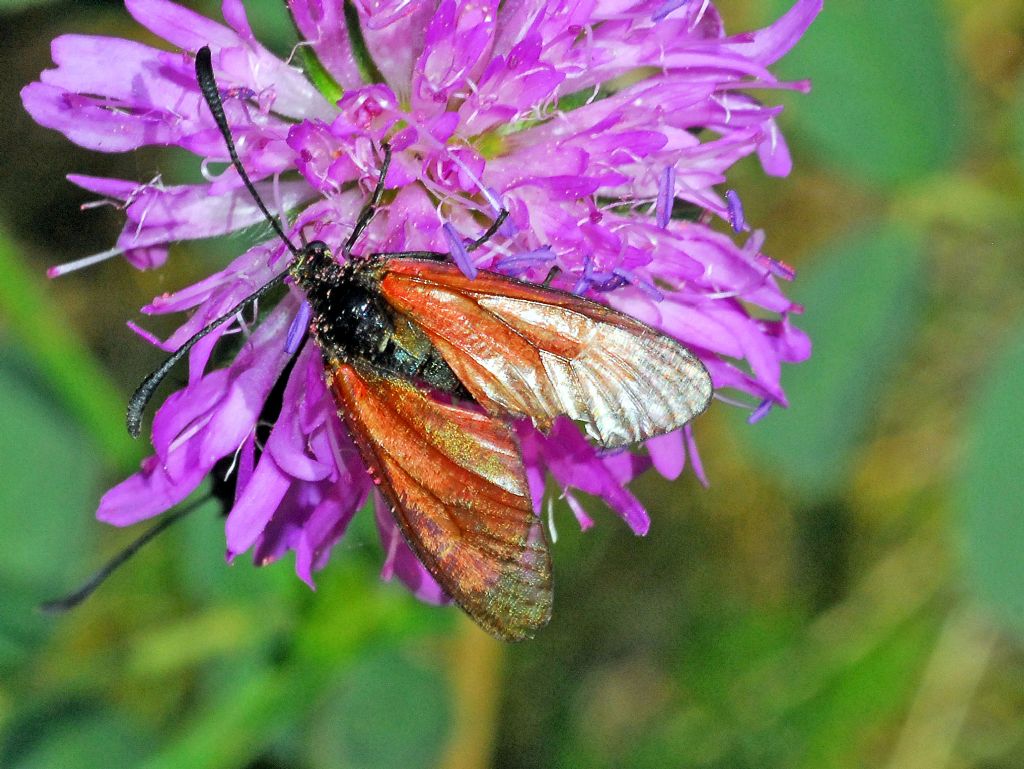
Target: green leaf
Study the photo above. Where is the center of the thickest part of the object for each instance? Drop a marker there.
(265, 701)
(389, 712)
(48, 494)
(886, 105)
(991, 489)
(860, 296)
(1019, 115)
(207, 575)
(862, 698)
(16, 6)
(79, 736)
(232, 728)
(60, 356)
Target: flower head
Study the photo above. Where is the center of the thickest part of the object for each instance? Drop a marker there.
(593, 122)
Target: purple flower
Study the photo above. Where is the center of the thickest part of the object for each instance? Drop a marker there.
(589, 121)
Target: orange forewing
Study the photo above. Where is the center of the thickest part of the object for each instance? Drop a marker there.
(532, 351)
(455, 481)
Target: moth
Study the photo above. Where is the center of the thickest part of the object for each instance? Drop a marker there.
(429, 369)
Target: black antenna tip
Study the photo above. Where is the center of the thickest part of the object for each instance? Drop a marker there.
(62, 605)
(70, 601)
(204, 58)
(141, 396)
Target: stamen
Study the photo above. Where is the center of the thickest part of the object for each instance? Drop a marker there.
(612, 283)
(189, 432)
(640, 281)
(63, 269)
(752, 248)
(297, 331)
(761, 411)
(240, 92)
(489, 196)
(722, 102)
(149, 336)
(526, 260)
(584, 282)
(236, 455)
(600, 281)
(666, 197)
(691, 449)
(700, 15)
(777, 268)
(204, 168)
(458, 251)
(736, 219)
(587, 278)
(731, 401)
(88, 206)
(387, 571)
(666, 8)
(551, 520)
(584, 520)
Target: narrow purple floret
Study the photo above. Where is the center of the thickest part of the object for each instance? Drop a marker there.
(573, 116)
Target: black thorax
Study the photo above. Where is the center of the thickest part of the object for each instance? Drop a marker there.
(352, 322)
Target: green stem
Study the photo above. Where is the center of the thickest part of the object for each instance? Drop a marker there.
(318, 75)
(368, 69)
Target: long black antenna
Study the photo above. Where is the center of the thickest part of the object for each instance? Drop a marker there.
(70, 601)
(145, 391)
(208, 85)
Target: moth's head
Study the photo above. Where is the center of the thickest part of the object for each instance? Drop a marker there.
(311, 263)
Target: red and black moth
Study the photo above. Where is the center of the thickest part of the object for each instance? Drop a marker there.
(429, 368)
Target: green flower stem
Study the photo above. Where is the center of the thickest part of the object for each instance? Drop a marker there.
(368, 68)
(318, 75)
(68, 367)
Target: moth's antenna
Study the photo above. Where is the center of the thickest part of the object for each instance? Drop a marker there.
(145, 391)
(208, 85)
(72, 600)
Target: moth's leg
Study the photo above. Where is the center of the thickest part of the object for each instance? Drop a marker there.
(368, 210)
(440, 256)
(495, 226)
(553, 273)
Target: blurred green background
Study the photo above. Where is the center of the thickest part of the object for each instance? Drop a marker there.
(848, 593)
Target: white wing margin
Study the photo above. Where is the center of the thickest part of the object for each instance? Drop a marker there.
(626, 383)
